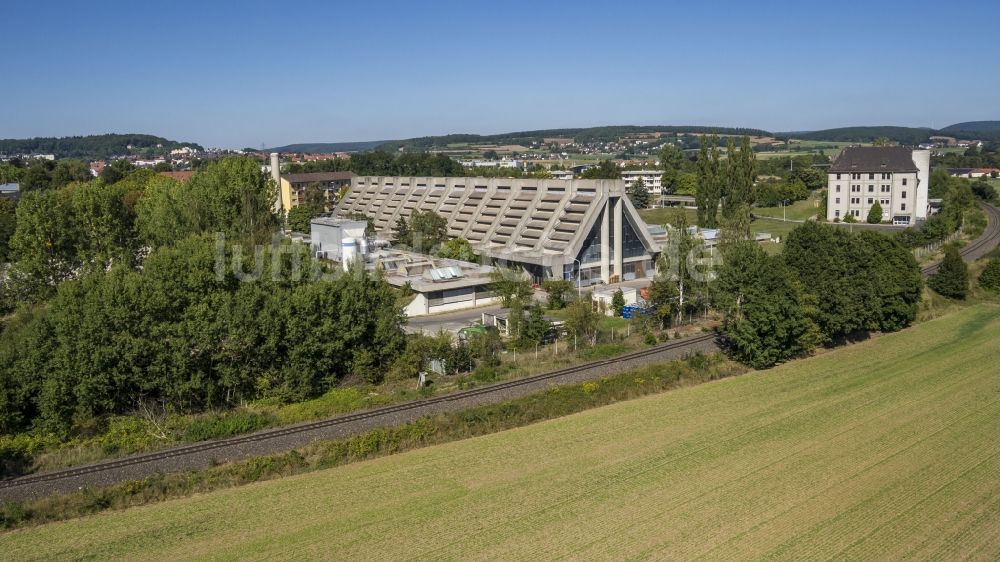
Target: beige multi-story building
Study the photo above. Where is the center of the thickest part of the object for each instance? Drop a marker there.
(652, 179)
(292, 187)
(895, 177)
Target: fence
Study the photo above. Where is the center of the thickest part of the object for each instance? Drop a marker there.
(931, 249)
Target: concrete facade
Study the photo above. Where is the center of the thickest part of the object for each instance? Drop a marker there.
(572, 229)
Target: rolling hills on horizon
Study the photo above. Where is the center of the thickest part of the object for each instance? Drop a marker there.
(113, 144)
(979, 130)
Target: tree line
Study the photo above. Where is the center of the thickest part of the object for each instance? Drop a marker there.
(134, 292)
(92, 147)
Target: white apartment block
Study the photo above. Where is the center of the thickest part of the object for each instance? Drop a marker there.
(652, 179)
(894, 176)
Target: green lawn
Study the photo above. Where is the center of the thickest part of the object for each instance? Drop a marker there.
(885, 450)
(776, 228)
(664, 215)
(799, 210)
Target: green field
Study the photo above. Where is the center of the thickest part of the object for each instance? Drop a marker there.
(663, 215)
(884, 450)
(799, 210)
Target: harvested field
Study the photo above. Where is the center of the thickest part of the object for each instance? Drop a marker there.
(888, 449)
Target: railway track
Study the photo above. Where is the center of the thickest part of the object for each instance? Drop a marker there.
(980, 246)
(199, 455)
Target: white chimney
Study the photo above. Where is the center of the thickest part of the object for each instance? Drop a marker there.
(276, 176)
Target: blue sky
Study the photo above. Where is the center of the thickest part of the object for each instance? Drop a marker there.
(237, 74)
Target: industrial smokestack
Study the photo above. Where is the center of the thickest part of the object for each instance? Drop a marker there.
(276, 176)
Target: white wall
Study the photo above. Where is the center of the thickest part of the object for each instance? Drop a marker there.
(419, 307)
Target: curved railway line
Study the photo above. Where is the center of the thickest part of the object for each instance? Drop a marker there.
(980, 246)
(207, 453)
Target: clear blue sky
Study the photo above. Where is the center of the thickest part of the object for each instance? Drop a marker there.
(237, 74)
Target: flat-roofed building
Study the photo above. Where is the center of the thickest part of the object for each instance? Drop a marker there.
(895, 177)
(652, 179)
(570, 229)
(293, 187)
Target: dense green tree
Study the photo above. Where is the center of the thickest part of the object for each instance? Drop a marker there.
(812, 178)
(235, 197)
(556, 291)
(740, 174)
(402, 232)
(766, 317)
(678, 288)
(424, 232)
(44, 243)
(509, 285)
(687, 184)
(709, 189)
(875, 214)
(231, 196)
(300, 218)
(8, 223)
(605, 170)
(618, 302)
(93, 147)
(984, 191)
(820, 256)
(989, 279)
(638, 194)
(896, 278)
(10, 173)
(671, 162)
(952, 279)
(457, 249)
(581, 320)
(183, 332)
(116, 171)
(164, 214)
(863, 281)
(772, 193)
(48, 174)
(534, 328)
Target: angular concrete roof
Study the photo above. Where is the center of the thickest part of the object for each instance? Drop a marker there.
(541, 221)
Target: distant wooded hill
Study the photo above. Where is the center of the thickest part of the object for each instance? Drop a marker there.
(579, 135)
(979, 130)
(93, 147)
(983, 130)
(524, 138)
(327, 147)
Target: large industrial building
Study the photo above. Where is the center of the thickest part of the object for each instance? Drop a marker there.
(894, 176)
(583, 230)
